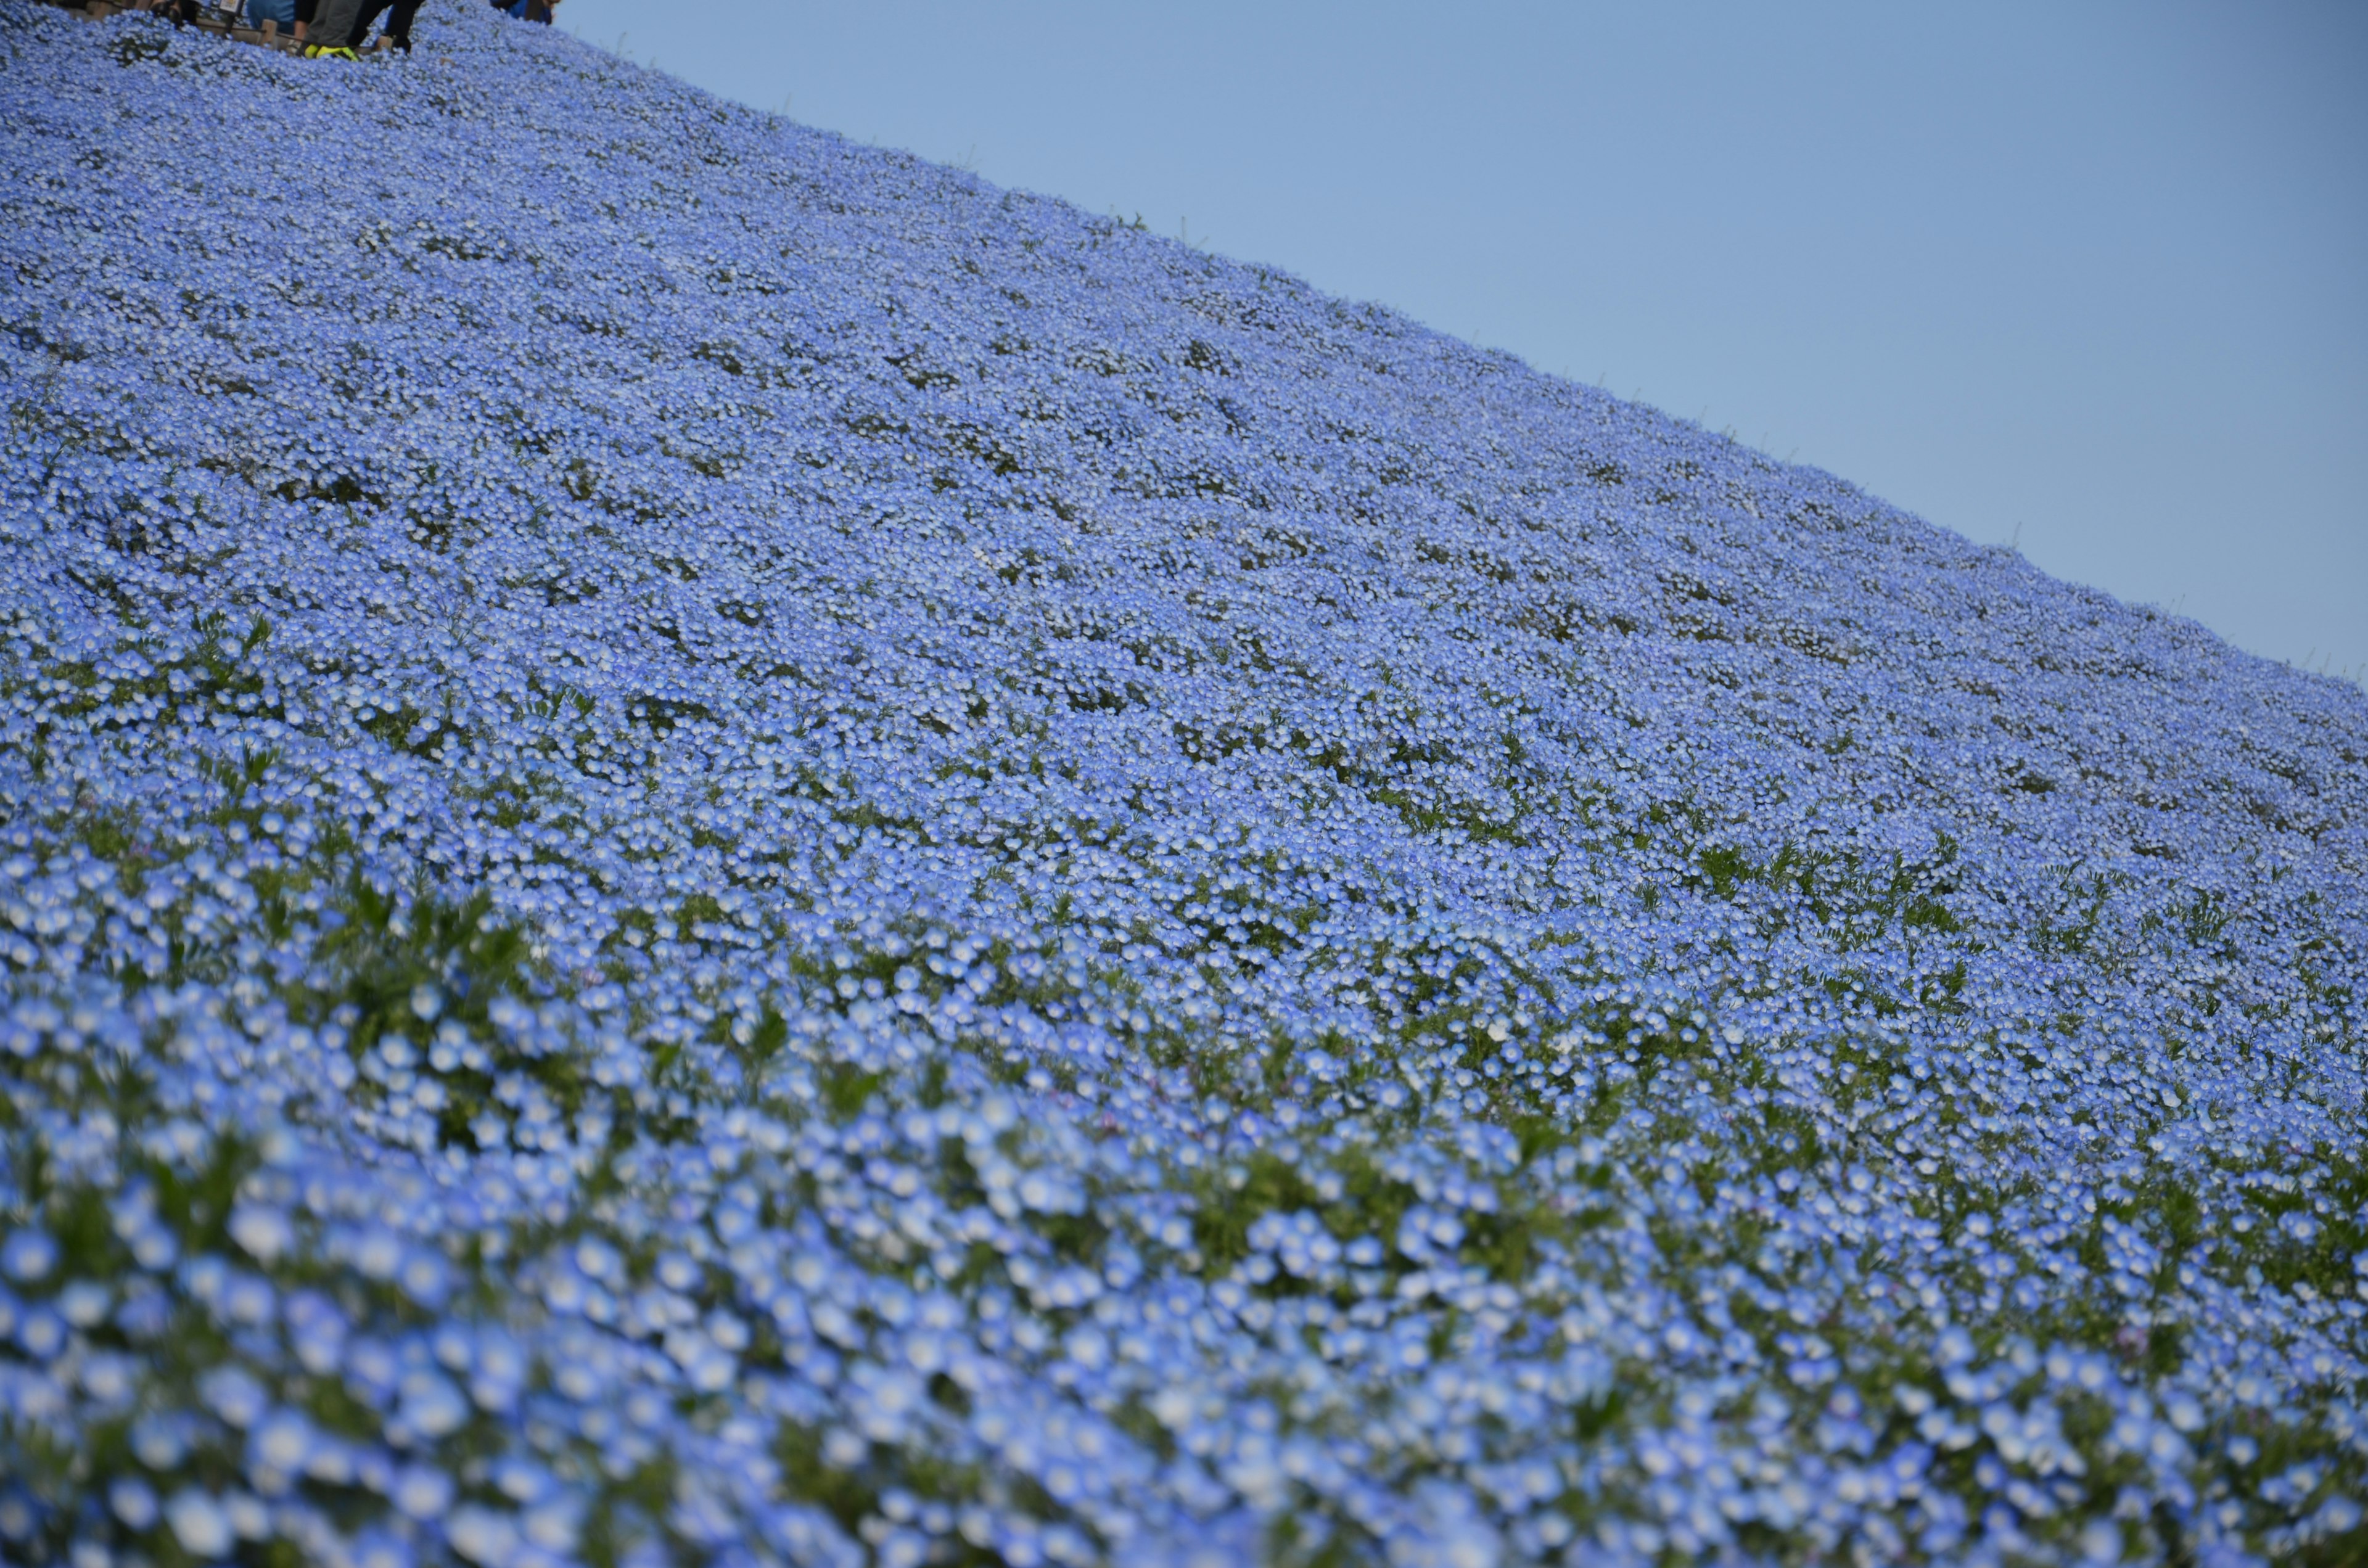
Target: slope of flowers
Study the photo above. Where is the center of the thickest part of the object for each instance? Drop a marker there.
(722, 847)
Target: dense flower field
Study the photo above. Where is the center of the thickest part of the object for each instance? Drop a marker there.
(722, 847)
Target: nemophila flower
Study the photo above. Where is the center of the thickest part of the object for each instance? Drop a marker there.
(28, 1256)
(234, 1395)
(264, 1233)
(378, 1549)
(134, 1500)
(422, 1493)
(40, 1333)
(199, 1523)
(722, 845)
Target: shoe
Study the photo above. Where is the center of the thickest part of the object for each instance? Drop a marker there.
(324, 51)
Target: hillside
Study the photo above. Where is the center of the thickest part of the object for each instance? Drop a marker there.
(720, 846)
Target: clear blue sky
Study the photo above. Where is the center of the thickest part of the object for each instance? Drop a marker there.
(2092, 278)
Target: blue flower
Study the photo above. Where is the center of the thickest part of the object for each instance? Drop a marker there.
(718, 806)
(28, 1256)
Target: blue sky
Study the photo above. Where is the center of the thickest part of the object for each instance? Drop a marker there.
(2091, 279)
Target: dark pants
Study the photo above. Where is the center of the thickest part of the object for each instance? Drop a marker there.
(398, 15)
(332, 21)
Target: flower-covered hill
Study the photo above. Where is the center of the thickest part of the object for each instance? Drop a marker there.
(722, 847)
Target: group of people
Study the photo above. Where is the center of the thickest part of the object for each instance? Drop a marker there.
(335, 29)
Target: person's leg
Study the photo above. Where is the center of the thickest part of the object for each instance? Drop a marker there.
(366, 12)
(332, 21)
(398, 24)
